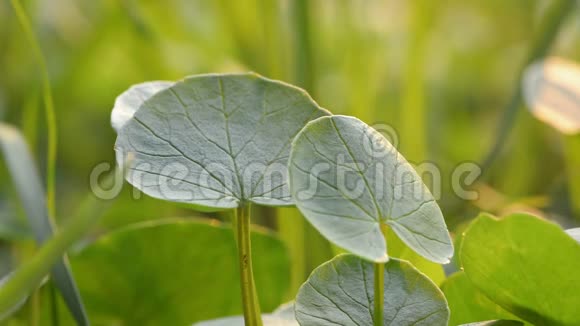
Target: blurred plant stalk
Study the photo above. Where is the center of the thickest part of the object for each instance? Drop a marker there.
(545, 35)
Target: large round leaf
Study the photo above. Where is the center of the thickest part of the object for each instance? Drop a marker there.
(527, 265)
(216, 140)
(129, 101)
(468, 304)
(341, 292)
(175, 272)
(347, 180)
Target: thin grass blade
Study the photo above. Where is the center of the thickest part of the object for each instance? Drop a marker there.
(29, 188)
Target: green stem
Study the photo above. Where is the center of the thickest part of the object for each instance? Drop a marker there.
(50, 126)
(291, 226)
(251, 305)
(543, 40)
(304, 62)
(34, 308)
(413, 116)
(53, 304)
(379, 285)
(379, 293)
(48, 104)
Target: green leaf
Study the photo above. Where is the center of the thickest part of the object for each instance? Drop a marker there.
(129, 101)
(26, 181)
(468, 304)
(527, 265)
(31, 193)
(341, 292)
(495, 323)
(216, 140)
(348, 180)
(175, 272)
(283, 316)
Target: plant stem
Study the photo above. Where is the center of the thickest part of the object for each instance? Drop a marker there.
(291, 226)
(413, 116)
(548, 29)
(53, 304)
(48, 104)
(379, 285)
(51, 137)
(34, 308)
(251, 305)
(304, 71)
(379, 293)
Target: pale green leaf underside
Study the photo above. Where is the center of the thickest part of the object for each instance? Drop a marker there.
(341, 292)
(527, 265)
(216, 140)
(30, 190)
(129, 101)
(347, 202)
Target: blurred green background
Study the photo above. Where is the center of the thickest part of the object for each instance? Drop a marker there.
(439, 72)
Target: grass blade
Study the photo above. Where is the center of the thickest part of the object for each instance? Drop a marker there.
(29, 188)
(30, 274)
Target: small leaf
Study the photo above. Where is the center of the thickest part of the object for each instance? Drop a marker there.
(341, 292)
(129, 101)
(175, 272)
(29, 188)
(468, 304)
(551, 90)
(348, 180)
(216, 140)
(526, 265)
